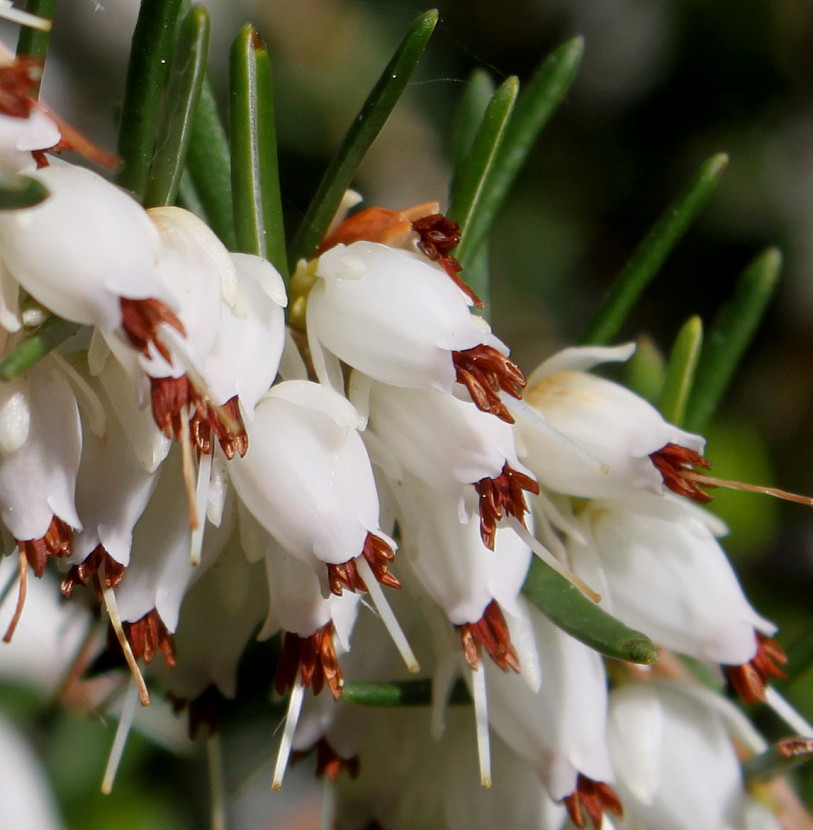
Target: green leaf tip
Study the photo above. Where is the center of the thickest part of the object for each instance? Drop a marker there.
(400, 693)
(779, 759)
(566, 606)
(52, 333)
(653, 250)
(18, 192)
(363, 130)
(680, 372)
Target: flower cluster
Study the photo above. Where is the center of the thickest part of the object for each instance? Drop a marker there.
(214, 476)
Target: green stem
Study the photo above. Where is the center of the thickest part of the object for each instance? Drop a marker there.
(34, 43)
(52, 333)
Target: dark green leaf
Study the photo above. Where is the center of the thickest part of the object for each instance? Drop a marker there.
(153, 41)
(730, 335)
(573, 612)
(653, 250)
(209, 164)
(534, 107)
(473, 104)
(681, 370)
(366, 126)
(20, 191)
(258, 218)
(52, 333)
(400, 693)
(779, 759)
(174, 129)
(645, 371)
(469, 186)
(33, 43)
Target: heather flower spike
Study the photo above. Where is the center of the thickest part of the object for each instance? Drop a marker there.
(327, 491)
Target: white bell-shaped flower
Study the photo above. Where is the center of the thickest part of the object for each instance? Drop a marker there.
(398, 319)
(615, 430)
(84, 249)
(658, 567)
(307, 478)
(675, 764)
(40, 446)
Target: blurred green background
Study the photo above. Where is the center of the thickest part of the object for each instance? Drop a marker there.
(663, 86)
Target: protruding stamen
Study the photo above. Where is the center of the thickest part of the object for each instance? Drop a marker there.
(97, 562)
(388, 616)
(438, 237)
(378, 554)
(309, 661)
(141, 319)
(201, 502)
(501, 496)
(112, 608)
(148, 636)
(478, 682)
(188, 473)
(217, 792)
(593, 798)
(751, 678)
(120, 739)
(22, 593)
(376, 224)
(550, 560)
(291, 720)
(491, 632)
(57, 542)
(485, 372)
(788, 713)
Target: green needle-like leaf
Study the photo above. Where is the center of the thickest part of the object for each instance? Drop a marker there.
(400, 693)
(653, 250)
(20, 191)
(473, 104)
(209, 164)
(258, 218)
(52, 333)
(680, 371)
(469, 186)
(573, 612)
(730, 335)
(366, 126)
(645, 371)
(779, 759)
(534, 107)
(153, 42)
(174, 129)
(33, 43)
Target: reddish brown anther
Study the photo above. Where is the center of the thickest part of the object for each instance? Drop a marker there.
(172, 398)
(313, 658)
(205, 710)
(57, 542)
(140, 320)
(97, 562)
(148, 636)
(591, 799)
(18, 83)
(490, 632)
(485, 372)
(502, 496)
(379, 556)
(328, 762)
(673, 462)
(750, 679)
(438, 236)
